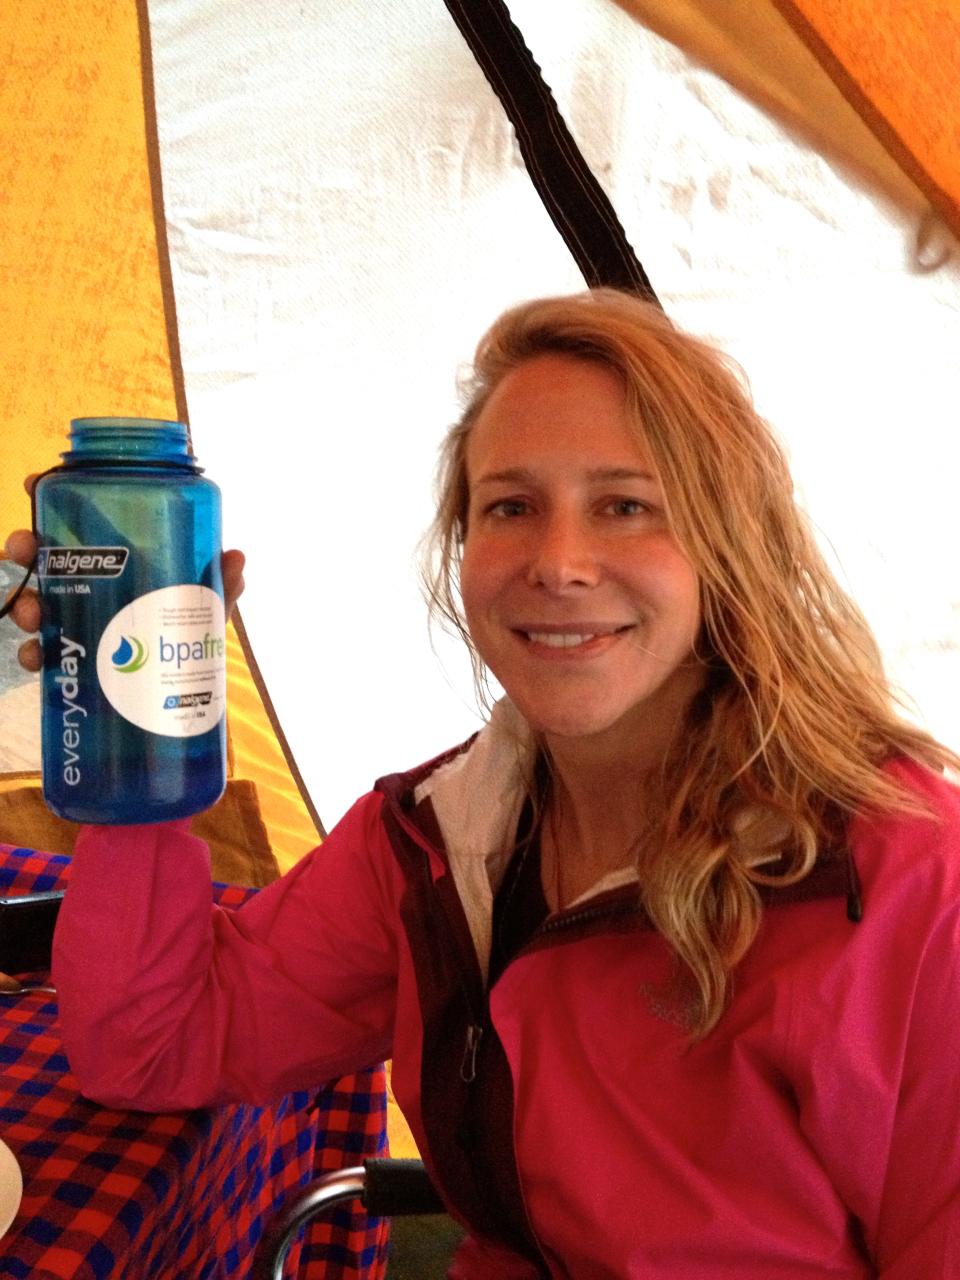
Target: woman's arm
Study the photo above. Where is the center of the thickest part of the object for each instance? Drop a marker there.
(167, 1002)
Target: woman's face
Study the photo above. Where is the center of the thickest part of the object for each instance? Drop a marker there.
(576, 594)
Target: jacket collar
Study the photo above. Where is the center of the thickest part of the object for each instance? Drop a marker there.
(472, 796)
(466, 803)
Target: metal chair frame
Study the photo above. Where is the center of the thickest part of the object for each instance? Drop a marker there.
(384, 1187)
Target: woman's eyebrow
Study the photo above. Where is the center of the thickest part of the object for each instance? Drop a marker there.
(520, 475)
(513, 475)
(619, 473)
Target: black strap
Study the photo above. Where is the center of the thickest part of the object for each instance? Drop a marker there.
(575, 201)
(31, 568)
(12, 600)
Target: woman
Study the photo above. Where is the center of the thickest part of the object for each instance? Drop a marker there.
(666, 957)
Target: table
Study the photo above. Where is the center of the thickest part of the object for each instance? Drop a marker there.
(162, 1197)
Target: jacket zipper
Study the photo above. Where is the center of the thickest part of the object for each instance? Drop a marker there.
(468, 1066)
(468, 1063)
(475, 1028)
(555, 924)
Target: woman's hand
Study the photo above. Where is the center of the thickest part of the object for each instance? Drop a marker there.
(21, 547)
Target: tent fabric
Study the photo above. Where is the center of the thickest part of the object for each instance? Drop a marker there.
(240, 848)
(81, 306)
(897, 67)
(85, 314)
(344, 211)
(800, 63)
(577, 204)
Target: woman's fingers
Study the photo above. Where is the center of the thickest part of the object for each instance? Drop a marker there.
(26, 612)
(21, 546)
(30, 655)
(232, 564)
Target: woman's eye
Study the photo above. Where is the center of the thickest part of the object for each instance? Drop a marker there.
(507, 507)
(627, 507)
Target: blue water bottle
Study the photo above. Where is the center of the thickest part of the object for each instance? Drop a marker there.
(134, 656)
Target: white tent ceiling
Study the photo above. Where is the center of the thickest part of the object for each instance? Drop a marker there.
(347, 210)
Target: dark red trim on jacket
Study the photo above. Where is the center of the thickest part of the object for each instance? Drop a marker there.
(455, 1015)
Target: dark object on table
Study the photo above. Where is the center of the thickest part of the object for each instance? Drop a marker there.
(26, 930)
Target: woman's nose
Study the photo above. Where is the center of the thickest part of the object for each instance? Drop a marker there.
(563, 554)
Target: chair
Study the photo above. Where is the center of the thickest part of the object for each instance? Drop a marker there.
(386, 1188)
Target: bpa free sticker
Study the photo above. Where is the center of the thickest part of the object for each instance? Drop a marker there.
(161, 661)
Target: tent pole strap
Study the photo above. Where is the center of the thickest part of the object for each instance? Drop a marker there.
(575, 201)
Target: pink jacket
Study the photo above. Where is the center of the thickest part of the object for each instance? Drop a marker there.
(815, 1132)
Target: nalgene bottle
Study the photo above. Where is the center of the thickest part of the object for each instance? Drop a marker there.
(134, 663)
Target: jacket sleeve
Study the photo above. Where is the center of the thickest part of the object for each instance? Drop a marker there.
(168, 1002)
(919, 1227)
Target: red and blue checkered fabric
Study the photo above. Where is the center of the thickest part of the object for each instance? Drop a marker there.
(181, 1196)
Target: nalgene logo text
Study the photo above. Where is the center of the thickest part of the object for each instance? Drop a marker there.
(82, 562)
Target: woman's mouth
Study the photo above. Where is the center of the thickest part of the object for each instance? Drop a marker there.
(563, 640)
(572, 639)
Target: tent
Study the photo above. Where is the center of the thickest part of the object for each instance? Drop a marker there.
(289, 223)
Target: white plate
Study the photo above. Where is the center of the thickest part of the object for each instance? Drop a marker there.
(11, 1188)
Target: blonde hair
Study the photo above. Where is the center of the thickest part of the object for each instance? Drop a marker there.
(797, 715)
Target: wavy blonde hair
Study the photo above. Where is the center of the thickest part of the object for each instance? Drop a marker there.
(797, 715)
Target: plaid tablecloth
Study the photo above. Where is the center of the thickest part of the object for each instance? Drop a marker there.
(163, 1197)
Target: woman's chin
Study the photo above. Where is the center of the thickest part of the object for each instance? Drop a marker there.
(572, 722)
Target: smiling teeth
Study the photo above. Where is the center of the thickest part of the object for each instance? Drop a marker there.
(562, 641)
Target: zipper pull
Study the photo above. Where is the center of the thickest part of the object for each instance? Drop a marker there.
(468, 1067)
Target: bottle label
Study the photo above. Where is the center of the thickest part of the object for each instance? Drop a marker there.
(161, 661)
